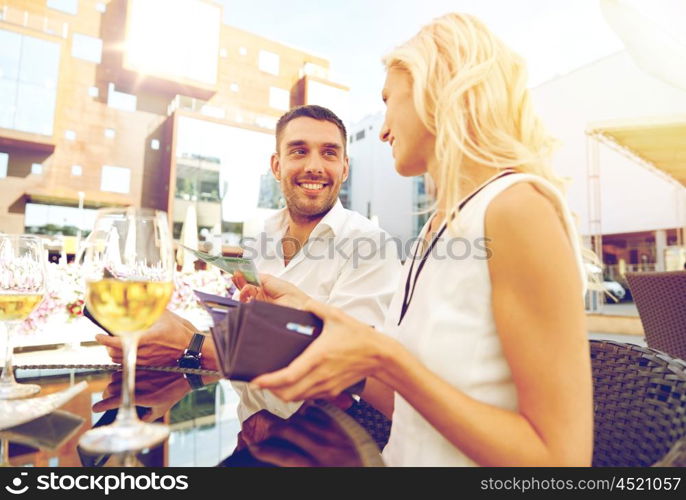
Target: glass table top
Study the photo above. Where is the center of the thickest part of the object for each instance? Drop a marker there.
(218, 423)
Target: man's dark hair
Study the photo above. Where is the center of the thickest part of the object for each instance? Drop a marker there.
(310, 111)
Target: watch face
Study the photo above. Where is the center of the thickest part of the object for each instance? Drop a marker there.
(189, 361)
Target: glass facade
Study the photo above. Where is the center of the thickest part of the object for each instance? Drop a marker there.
(219, 168)
(270, 193)
(67, 6)
(29, 69)
(346, 195)
(57, 219)
(197, 179)
(421, 200)
(4, 160)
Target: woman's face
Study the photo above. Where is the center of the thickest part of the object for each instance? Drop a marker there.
(413, 145)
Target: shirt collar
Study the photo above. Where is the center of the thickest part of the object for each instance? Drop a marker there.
(334, 220)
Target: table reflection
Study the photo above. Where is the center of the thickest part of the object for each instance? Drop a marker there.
(206, 429)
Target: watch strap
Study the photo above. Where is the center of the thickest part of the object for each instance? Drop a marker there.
(195, 381)
(195, 345)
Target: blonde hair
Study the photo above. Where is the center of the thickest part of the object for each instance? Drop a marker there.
(470, 92)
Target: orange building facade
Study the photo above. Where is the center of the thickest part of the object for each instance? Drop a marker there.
(103, 104)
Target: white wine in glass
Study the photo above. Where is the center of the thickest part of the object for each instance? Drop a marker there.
(128, 267)
(22, 286)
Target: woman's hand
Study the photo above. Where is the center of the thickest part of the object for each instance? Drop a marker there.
(345, 352)
(272, 290)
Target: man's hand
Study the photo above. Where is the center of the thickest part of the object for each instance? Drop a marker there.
(272, 290)
(158, 391)
(162, 344)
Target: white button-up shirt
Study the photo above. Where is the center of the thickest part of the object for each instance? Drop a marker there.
(347, 262)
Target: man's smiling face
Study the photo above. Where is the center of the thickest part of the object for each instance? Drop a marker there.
(311, 166)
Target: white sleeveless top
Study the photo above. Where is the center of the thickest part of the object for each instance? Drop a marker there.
(449, 326)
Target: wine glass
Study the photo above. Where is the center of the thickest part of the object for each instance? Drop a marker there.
(22, 286)
(127, 267)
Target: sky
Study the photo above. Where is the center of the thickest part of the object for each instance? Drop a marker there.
(554, 36)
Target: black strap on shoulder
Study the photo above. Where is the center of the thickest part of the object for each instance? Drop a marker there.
(410, 284)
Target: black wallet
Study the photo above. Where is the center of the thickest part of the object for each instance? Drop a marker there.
(259, 337)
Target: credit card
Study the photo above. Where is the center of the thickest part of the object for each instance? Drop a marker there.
(229, 264)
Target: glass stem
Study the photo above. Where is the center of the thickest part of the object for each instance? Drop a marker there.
(4, 453)
(127, 411)
(7, 377)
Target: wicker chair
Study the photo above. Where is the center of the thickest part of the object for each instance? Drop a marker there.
(372, 420)
(639, 402)
(640, 406)
(661, 302)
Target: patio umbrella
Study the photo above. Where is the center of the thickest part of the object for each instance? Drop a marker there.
(189, 238)
(653, 35)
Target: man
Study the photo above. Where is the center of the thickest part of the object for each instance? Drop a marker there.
(332, 254)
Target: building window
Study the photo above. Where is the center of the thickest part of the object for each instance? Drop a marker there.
(101, 7)
(270, 192)
(57, 219)
(93, 91)
(120, 100)
(315, 70)
(345, 193)
(70, 135)
(76, 170)
(184, 45)
(234, 87)
(115, 179)
(268, 62)
(110, 133)
(243, 51)
(37, 169)
(4, 160)
(68, 6)
(86, 47)
(279, 98)
(421, 200)
(28, 81)
(267, 122)
(213, 111)
(155, 144)
(223, 53)
(360, 135)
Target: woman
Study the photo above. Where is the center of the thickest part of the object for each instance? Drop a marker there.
(484, 357)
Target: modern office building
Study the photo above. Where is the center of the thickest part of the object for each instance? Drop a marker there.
(622, 148)
(152, 103)
(376, 190)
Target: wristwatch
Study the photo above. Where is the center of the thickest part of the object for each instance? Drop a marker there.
(191, 359)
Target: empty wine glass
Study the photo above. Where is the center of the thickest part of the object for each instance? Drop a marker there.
(127, 267)
(22, 286)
